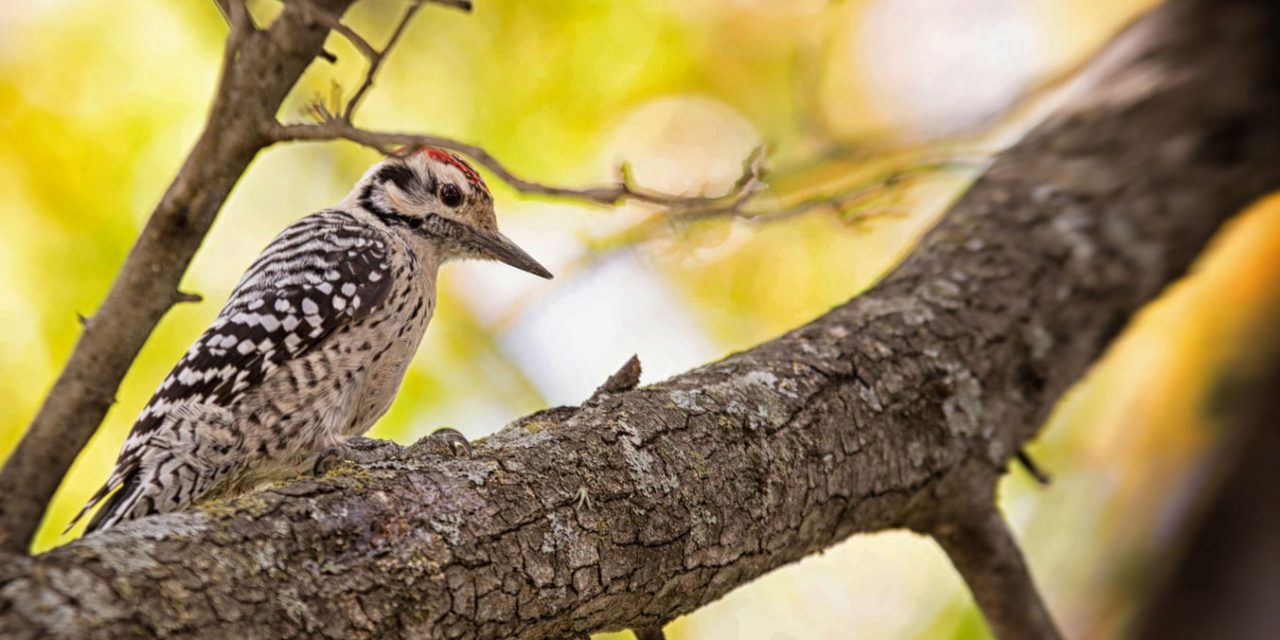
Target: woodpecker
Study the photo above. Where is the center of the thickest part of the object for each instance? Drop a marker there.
(312, 345)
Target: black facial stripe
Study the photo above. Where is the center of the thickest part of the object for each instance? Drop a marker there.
(399, 175)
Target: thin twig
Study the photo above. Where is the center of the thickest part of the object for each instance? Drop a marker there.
(324, 18)
(849, 202)
(375, 62)
(608, 195)
(374, 56)
(1032, 468)
(839, 202)
(234, 12)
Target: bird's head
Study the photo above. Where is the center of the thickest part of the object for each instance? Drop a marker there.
(435, 194)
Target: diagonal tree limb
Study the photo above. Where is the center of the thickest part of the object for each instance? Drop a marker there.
(976, 538)
(871, 417)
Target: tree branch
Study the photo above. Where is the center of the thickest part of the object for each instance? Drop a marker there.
(375, 61)
(318, 15)
(647, 504)
(983, 550)
(335, 128)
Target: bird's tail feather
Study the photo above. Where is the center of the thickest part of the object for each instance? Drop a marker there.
(119, 504)
(125, 478)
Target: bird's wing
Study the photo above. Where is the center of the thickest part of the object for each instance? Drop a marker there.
(320, 274)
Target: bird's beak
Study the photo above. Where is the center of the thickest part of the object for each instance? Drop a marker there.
(502, 249)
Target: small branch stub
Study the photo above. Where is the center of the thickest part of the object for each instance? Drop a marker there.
(184, 296)
(1032, 468)
(624, 379)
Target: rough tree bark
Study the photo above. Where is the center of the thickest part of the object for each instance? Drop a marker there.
(898, 409)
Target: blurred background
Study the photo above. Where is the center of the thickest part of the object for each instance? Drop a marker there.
(99, 103)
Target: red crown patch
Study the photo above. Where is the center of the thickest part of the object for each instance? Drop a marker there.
(440, 155)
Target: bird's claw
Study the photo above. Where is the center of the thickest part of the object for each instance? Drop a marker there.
(448, 441)
(355, 450)
(366, 451)
(328, 460)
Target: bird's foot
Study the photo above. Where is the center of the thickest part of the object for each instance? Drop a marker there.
(355, 450)
(446, 441)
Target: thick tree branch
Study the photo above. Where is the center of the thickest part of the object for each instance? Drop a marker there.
(647, 504)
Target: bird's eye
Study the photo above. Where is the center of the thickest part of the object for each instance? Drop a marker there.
(450, 195)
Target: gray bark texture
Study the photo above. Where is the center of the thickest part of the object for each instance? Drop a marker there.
(898, 409)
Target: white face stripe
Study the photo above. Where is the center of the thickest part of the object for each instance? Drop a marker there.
(443, 172)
